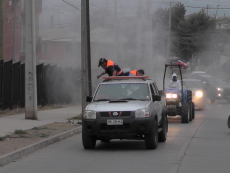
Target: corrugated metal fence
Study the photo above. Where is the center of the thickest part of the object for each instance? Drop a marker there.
(55, 85)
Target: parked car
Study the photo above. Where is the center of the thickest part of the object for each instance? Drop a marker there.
(125, 108)
(215, 88)
(194, 74)
(198, 93)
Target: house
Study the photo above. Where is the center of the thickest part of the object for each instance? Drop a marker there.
(15, 29)
(223, 24)
(59, 45)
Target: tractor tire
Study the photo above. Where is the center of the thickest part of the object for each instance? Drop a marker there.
(185, 113)
(193, 110)
(151, 140)
(190, 114)
(189, 96)
(162, 136)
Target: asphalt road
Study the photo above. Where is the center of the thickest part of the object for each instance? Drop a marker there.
(202, 146)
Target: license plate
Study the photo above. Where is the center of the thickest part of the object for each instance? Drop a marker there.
(114, 122)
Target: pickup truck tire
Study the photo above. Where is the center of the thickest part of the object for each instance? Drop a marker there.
(151, 140)
(162, 136)
(89, 141)
(185, 113)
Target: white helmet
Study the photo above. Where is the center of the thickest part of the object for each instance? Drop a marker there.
(174, 75)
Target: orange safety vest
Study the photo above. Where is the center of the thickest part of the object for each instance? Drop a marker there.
(111, 63)
(134, 72)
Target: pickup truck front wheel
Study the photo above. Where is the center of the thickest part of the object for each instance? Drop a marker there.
(89, 141)
(163, 134)
(151, 140)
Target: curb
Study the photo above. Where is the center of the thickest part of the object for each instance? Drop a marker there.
(10, 157)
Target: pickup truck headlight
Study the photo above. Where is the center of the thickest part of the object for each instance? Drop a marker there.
(142, 113)
(199, 93)
(220, 89)
(91, 115)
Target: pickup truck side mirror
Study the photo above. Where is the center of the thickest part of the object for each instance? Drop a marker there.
(89, 98)
(156, 98)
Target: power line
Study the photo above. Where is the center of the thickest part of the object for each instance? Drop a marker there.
(67, 2)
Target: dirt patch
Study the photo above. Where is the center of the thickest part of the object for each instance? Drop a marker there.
(16, 111)
(22, 138)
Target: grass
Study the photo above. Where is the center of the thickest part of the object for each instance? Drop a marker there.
(43, 135)
(23, 136)
(76, 118)
(20, 132)
(42, 128)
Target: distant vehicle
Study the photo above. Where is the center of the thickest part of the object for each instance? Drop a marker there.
(125, 108)
(215, 88)
(198, 93)
(194, 74)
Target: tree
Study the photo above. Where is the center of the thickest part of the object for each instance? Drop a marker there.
(193, 34)
(161, 24)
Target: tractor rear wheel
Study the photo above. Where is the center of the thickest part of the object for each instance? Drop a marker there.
(185, 113)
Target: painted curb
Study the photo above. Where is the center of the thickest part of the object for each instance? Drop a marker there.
(10, 157)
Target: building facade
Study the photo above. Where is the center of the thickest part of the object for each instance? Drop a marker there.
(15, 29)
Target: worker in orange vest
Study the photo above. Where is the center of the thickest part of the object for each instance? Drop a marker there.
(135, 73)
(110, 68)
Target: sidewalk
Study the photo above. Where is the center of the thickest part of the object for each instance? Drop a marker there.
(9, 124)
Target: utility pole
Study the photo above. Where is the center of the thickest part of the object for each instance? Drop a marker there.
(30, 62)
(207, 9)
(116, 35)
(88, 49)
(217, 10)
(148, 48)
(139, 35)
(2, 30)
(169, 32)
(85, 53)
(15, 29)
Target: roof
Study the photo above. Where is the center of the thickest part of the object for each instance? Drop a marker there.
(205, 75)
(194, 80)
(127, 81)
(59, 34)
(198, 72)
(124, 79)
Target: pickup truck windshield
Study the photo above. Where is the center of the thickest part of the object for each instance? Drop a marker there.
(122, 91)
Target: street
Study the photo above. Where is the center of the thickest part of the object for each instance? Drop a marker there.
(200, 146)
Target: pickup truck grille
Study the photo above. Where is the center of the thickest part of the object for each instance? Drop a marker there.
(117, 114)
(124, 127)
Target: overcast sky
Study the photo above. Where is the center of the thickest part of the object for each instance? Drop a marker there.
(130, 6)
